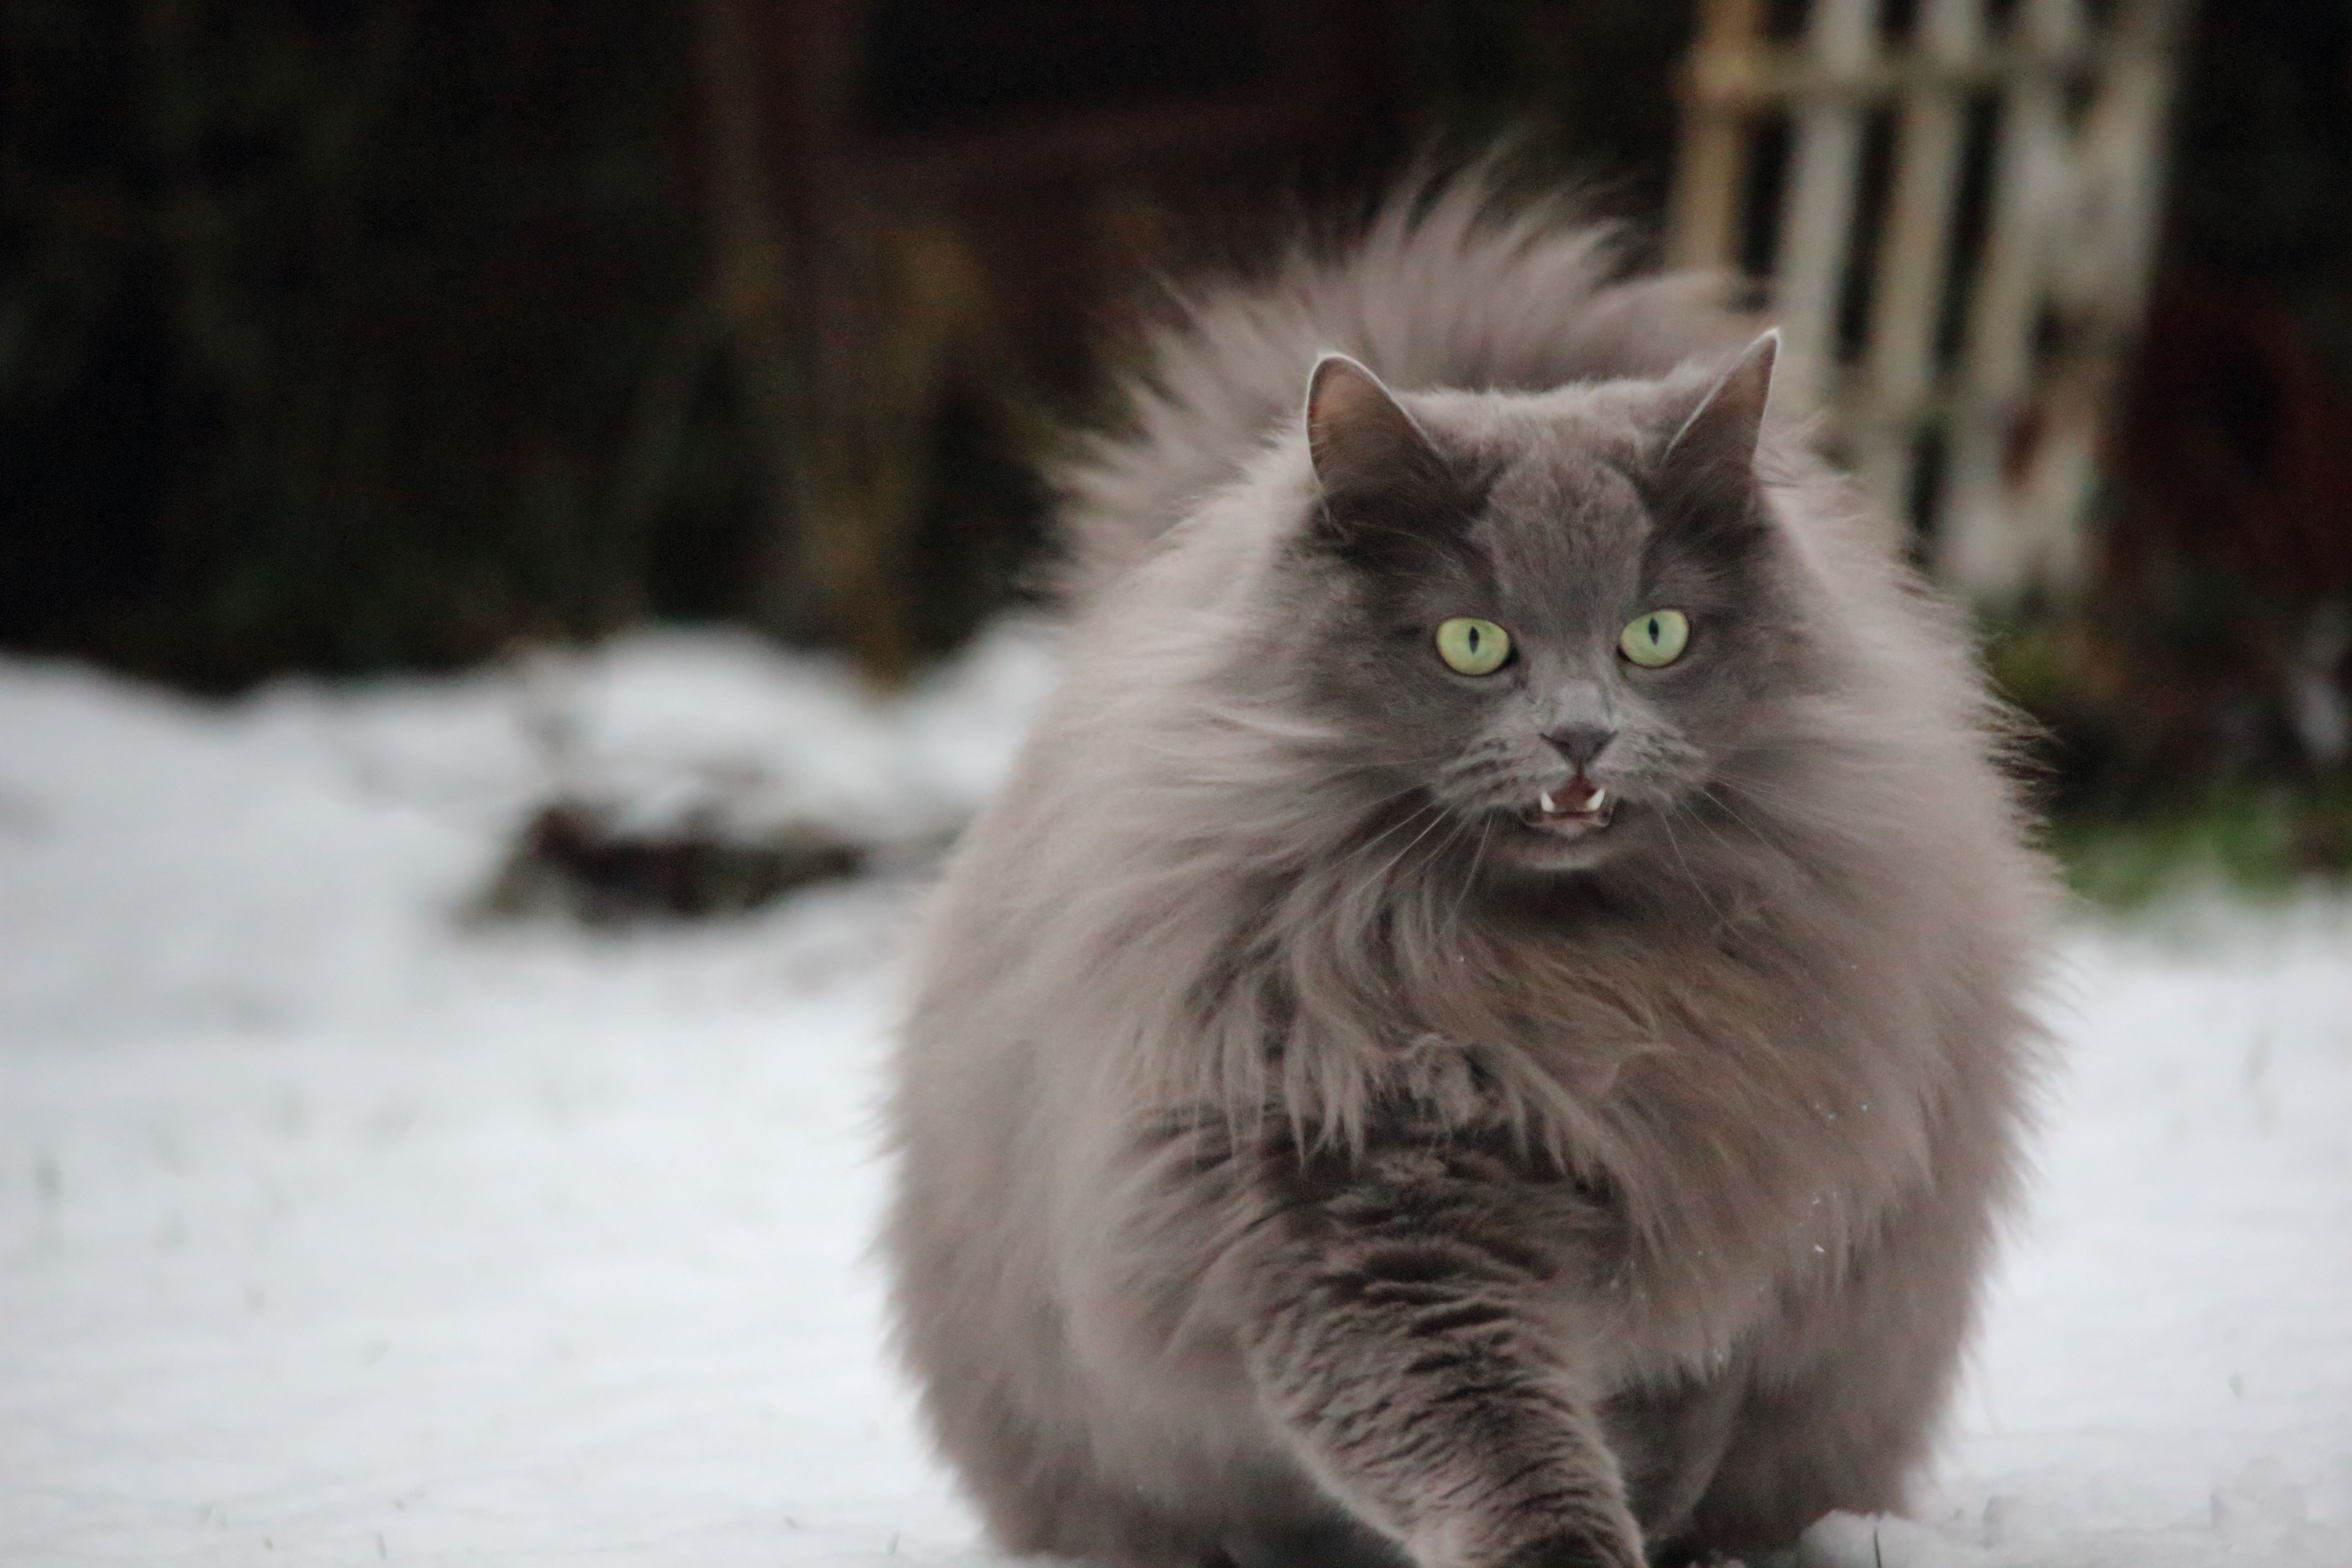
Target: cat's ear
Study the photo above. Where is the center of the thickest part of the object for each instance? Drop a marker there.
(1387, 496)
(1716, 442)
(1360, 438)
(1706, 475)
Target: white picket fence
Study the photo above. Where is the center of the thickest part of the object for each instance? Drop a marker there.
(2012, 192)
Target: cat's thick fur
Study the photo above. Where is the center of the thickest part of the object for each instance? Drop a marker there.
(1311, 1152)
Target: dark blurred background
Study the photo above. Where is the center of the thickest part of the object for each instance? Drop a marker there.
(347, 336)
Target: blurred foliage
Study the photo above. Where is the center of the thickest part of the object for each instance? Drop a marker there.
(2196, 703)
(574, 859)
(2260, 842)
(2151, 797)
(347, 333)
(355, 334)
(2261, 176)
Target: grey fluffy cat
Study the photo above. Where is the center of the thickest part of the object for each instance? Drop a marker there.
(1487, 1029)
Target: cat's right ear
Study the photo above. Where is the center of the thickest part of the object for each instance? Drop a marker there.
(1386, 494)
(1360, 438)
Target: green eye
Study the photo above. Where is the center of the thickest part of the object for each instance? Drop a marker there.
(1473, 646)
(1655, 639)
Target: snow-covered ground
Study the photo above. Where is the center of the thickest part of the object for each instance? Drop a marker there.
(335, 1228)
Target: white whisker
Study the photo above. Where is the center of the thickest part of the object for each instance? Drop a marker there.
(1666, 820)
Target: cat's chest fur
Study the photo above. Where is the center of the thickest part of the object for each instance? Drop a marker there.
(1730, 1111)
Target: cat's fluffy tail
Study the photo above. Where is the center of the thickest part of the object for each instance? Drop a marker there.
(1449, 285)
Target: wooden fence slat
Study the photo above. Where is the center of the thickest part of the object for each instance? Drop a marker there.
(2053, 294)
(1714, 150)
(1818, 228)
(2099, 246)
(1914, 259)
(2102, 265)
(1988, 545)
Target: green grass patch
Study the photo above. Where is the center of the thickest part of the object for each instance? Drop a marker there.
(2261, 843)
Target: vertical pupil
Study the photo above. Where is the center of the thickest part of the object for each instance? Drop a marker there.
(1654, 628)
(1471, 639)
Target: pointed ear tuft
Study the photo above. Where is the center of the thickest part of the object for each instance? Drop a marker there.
(1717, 443)
(1359, 438)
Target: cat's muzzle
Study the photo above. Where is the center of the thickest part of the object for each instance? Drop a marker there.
(1575, 808)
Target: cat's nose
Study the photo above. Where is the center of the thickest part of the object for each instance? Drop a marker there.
(1580, 744)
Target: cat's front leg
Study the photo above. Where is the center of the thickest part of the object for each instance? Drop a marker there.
(1407, 1321)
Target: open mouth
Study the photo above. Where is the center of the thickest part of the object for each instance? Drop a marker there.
(1575, 808)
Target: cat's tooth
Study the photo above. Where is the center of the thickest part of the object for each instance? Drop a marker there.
(1550, 810)
(1600, 798)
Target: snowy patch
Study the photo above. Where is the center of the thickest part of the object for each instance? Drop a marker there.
(334, 1231)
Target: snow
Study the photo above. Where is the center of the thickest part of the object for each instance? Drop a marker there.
(336, 1226)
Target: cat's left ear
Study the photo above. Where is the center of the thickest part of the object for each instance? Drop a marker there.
(1715, 447)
